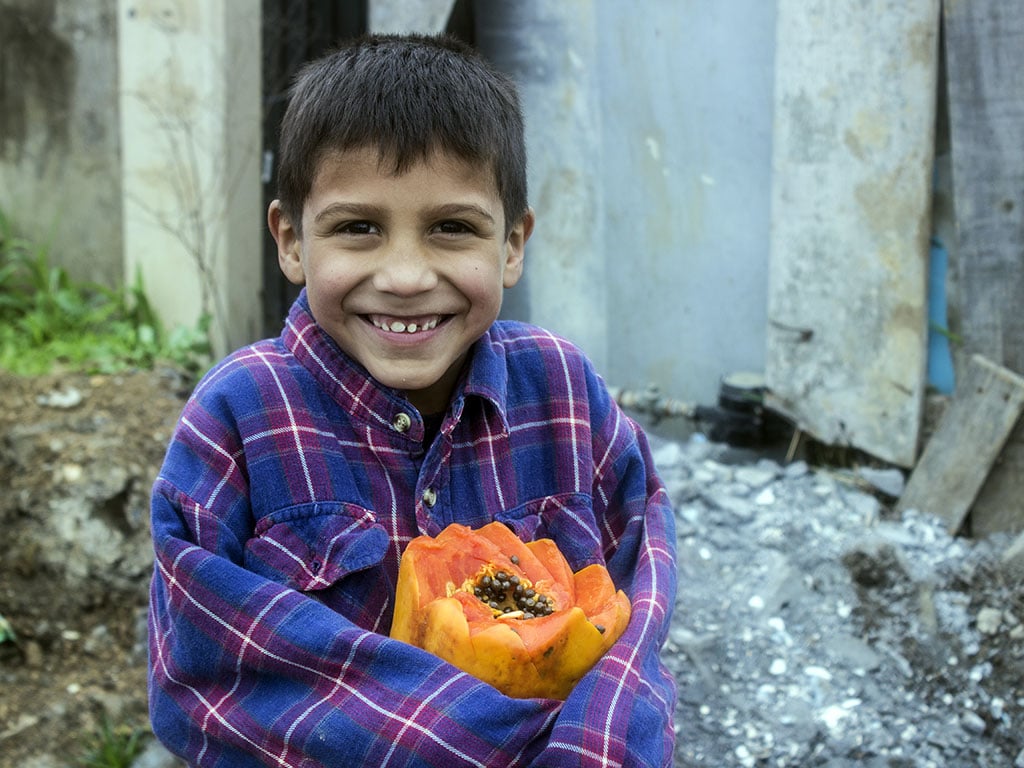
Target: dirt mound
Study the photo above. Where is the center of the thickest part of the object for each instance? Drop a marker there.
(78, 455)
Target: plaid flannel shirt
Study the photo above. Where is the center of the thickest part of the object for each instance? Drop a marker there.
(290, 488)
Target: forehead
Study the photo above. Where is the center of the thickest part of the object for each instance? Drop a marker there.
(368, 167)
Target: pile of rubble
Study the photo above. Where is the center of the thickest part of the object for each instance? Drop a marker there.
(815, 628)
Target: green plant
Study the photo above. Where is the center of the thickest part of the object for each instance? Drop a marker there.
(944, 331)
(7, 631)
(112, 746)
(49, 320)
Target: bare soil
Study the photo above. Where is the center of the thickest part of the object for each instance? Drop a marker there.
(78, 455)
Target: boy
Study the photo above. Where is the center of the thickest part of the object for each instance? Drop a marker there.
(393, 404)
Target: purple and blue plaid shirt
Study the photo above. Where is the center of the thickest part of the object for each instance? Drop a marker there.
(290, 489)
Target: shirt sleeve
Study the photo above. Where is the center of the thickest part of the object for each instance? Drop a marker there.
(244, 671)
(622, 712)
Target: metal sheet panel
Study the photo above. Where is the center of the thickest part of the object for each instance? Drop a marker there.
(852, 166)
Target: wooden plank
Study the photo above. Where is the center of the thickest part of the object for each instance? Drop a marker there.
(984, 46)
(999, 507)
(987, 404)
(851, 196)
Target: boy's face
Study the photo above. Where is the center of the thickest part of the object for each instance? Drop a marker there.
(405, 272)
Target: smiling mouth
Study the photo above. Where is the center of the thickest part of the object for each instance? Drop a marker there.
(406, 325)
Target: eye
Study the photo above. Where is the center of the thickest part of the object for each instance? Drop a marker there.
(357, 228)
(453, 227)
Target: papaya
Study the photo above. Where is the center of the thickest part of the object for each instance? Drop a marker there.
(511, 613)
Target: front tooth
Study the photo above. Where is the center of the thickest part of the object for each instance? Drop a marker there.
(411, 328)
(397, 326)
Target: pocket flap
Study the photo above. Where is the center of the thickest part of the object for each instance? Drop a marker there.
(567, 518)
(313, 546)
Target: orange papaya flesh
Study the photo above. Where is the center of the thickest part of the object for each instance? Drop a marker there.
(539, 562)
(473, 608)
(479, 567)
(594, 587)
(560, 573)
(429, 565)
(609, 610)
(493, 652)
(526, 562)
(542, 651)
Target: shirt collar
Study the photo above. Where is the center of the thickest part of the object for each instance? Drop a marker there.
(366, 399)
(487, 377)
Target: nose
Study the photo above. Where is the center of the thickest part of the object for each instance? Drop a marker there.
(404, 270)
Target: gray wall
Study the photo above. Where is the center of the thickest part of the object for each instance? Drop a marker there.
(60, 174)
(687, 152)
(649, 125)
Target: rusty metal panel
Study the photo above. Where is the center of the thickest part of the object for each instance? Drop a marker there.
(852, 166)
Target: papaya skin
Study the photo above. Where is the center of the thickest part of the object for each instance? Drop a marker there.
(543, 656)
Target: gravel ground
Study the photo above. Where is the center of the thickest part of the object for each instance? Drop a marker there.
(812, 628)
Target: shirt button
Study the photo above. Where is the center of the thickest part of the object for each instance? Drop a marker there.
(402, 422)
(430, 497)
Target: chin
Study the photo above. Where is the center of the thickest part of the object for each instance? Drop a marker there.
(406, 383)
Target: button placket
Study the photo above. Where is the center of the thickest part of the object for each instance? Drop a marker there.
(433, 500)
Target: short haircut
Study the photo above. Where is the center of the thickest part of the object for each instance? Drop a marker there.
(408, 96)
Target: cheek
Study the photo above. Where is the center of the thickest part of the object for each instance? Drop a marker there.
(326, 291)
(485, 294)
(328, 277)
(482, 280)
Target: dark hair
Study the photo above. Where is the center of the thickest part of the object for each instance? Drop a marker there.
(408, 96)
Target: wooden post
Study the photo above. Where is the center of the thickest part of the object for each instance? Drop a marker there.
(957, 459)
(190, 147)
(985, 56)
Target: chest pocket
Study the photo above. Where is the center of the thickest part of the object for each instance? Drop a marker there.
(566, 518)
(314, 546)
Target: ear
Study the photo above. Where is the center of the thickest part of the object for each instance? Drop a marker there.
(289, 244)
(515, 248)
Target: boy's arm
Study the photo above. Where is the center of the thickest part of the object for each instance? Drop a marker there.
(244, 671)
(621, 712)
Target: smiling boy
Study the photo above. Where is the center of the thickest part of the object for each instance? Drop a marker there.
(393, 404)
(404, 271)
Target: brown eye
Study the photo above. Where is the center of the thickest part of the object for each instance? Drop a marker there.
(453, 228)
(358, 228)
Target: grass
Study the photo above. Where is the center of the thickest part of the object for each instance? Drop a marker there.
(7, 631)
(49, 321)
(112, 747)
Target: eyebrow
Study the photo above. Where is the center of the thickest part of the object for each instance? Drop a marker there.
(367, 211)
(461, 209)
(359, 210)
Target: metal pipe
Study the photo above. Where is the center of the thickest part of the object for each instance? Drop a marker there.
(650, 402)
